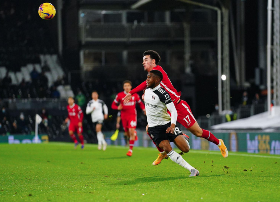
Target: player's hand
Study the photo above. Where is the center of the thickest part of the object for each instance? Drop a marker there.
(144, 111)
(117, 125)
(171, 129)
(147, 127)
(105, 116)
(80, 124)
(127, 98)
(120, 107)
(66, 120)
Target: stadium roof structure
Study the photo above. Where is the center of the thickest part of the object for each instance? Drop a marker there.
(263, 121)
(157, 5)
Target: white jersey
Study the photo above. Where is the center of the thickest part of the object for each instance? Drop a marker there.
(157, 101)
(96, 108)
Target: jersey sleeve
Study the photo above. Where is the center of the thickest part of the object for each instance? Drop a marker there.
(115, 103)
(89, 108)
(81, 114)
(139, 101)
(105, 108)
(163, 96)
(171, 108)
(139, 88)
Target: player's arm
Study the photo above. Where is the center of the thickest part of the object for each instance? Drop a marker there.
(140, 103)
(118, 121)
(89, 108)
(174, 114)
(166, 99)
(115, 104)
(105, 110)
(81, 114)
(137, 89)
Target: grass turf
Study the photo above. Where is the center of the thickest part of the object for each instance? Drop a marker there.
(57, 172)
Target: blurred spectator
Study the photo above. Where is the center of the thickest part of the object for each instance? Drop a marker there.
(45, 67)
(3, 131)
(4, 113)
(44, 116)
(6, 80)
(245, 98)
(5, 123)
(81, 99)
(22, 124)
(216, 112)
(257, 99)
(230, 115)
(43, 79)
(42, 93)
(54, 92)
(34, 74)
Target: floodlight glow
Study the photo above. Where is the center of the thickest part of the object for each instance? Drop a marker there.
(224, 77)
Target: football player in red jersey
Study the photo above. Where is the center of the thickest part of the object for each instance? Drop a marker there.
(128, 113)
(75, 115)
(185, 116)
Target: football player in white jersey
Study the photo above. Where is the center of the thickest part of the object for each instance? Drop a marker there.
(99, 111)
(161, 127)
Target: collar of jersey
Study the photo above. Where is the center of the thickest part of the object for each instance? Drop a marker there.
(72, 105)
(155, 88)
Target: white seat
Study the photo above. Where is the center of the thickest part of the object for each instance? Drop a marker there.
(29, 67)
(62, 91)
(69, 93)
(50, 80)
(3, 72)
(19, 76)
(38, 68)
(54, 74)
(25, 74)
(67, 87)
(13, 77)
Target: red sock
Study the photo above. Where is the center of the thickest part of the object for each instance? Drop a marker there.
(159, 149)
(74, 138)
(131, 144)
(209, 136)
(81, 137)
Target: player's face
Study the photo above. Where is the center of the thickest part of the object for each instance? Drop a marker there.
(127, 87)
(151, 80)
(148, 63)
(70, 101)
(94, 95)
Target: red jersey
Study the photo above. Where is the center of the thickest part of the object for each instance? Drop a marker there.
(165, 83)
(75, 114)
(130, 107)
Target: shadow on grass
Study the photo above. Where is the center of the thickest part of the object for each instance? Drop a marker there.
(160, 179)
(112, 158)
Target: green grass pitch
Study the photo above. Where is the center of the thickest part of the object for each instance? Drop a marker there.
(57, 172)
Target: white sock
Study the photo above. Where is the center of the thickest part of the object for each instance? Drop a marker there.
(177, 158)
(101, 138)
(219, 143)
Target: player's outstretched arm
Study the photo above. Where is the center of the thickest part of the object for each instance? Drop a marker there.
(139, 88)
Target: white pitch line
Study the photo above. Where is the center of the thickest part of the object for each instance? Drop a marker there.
(191, 151)
(235, 154)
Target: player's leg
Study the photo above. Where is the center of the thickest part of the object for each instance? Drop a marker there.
(71, 134)
(182, 143)
(186, 118)
(131, 132)
(103, 142)
(177, 158)
(80, 135)
(100, 136)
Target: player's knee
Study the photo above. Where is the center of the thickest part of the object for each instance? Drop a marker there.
(165, 146)
(186, 149)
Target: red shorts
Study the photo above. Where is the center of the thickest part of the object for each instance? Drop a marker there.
(185, 116)
(128, 122)
(75, 128)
